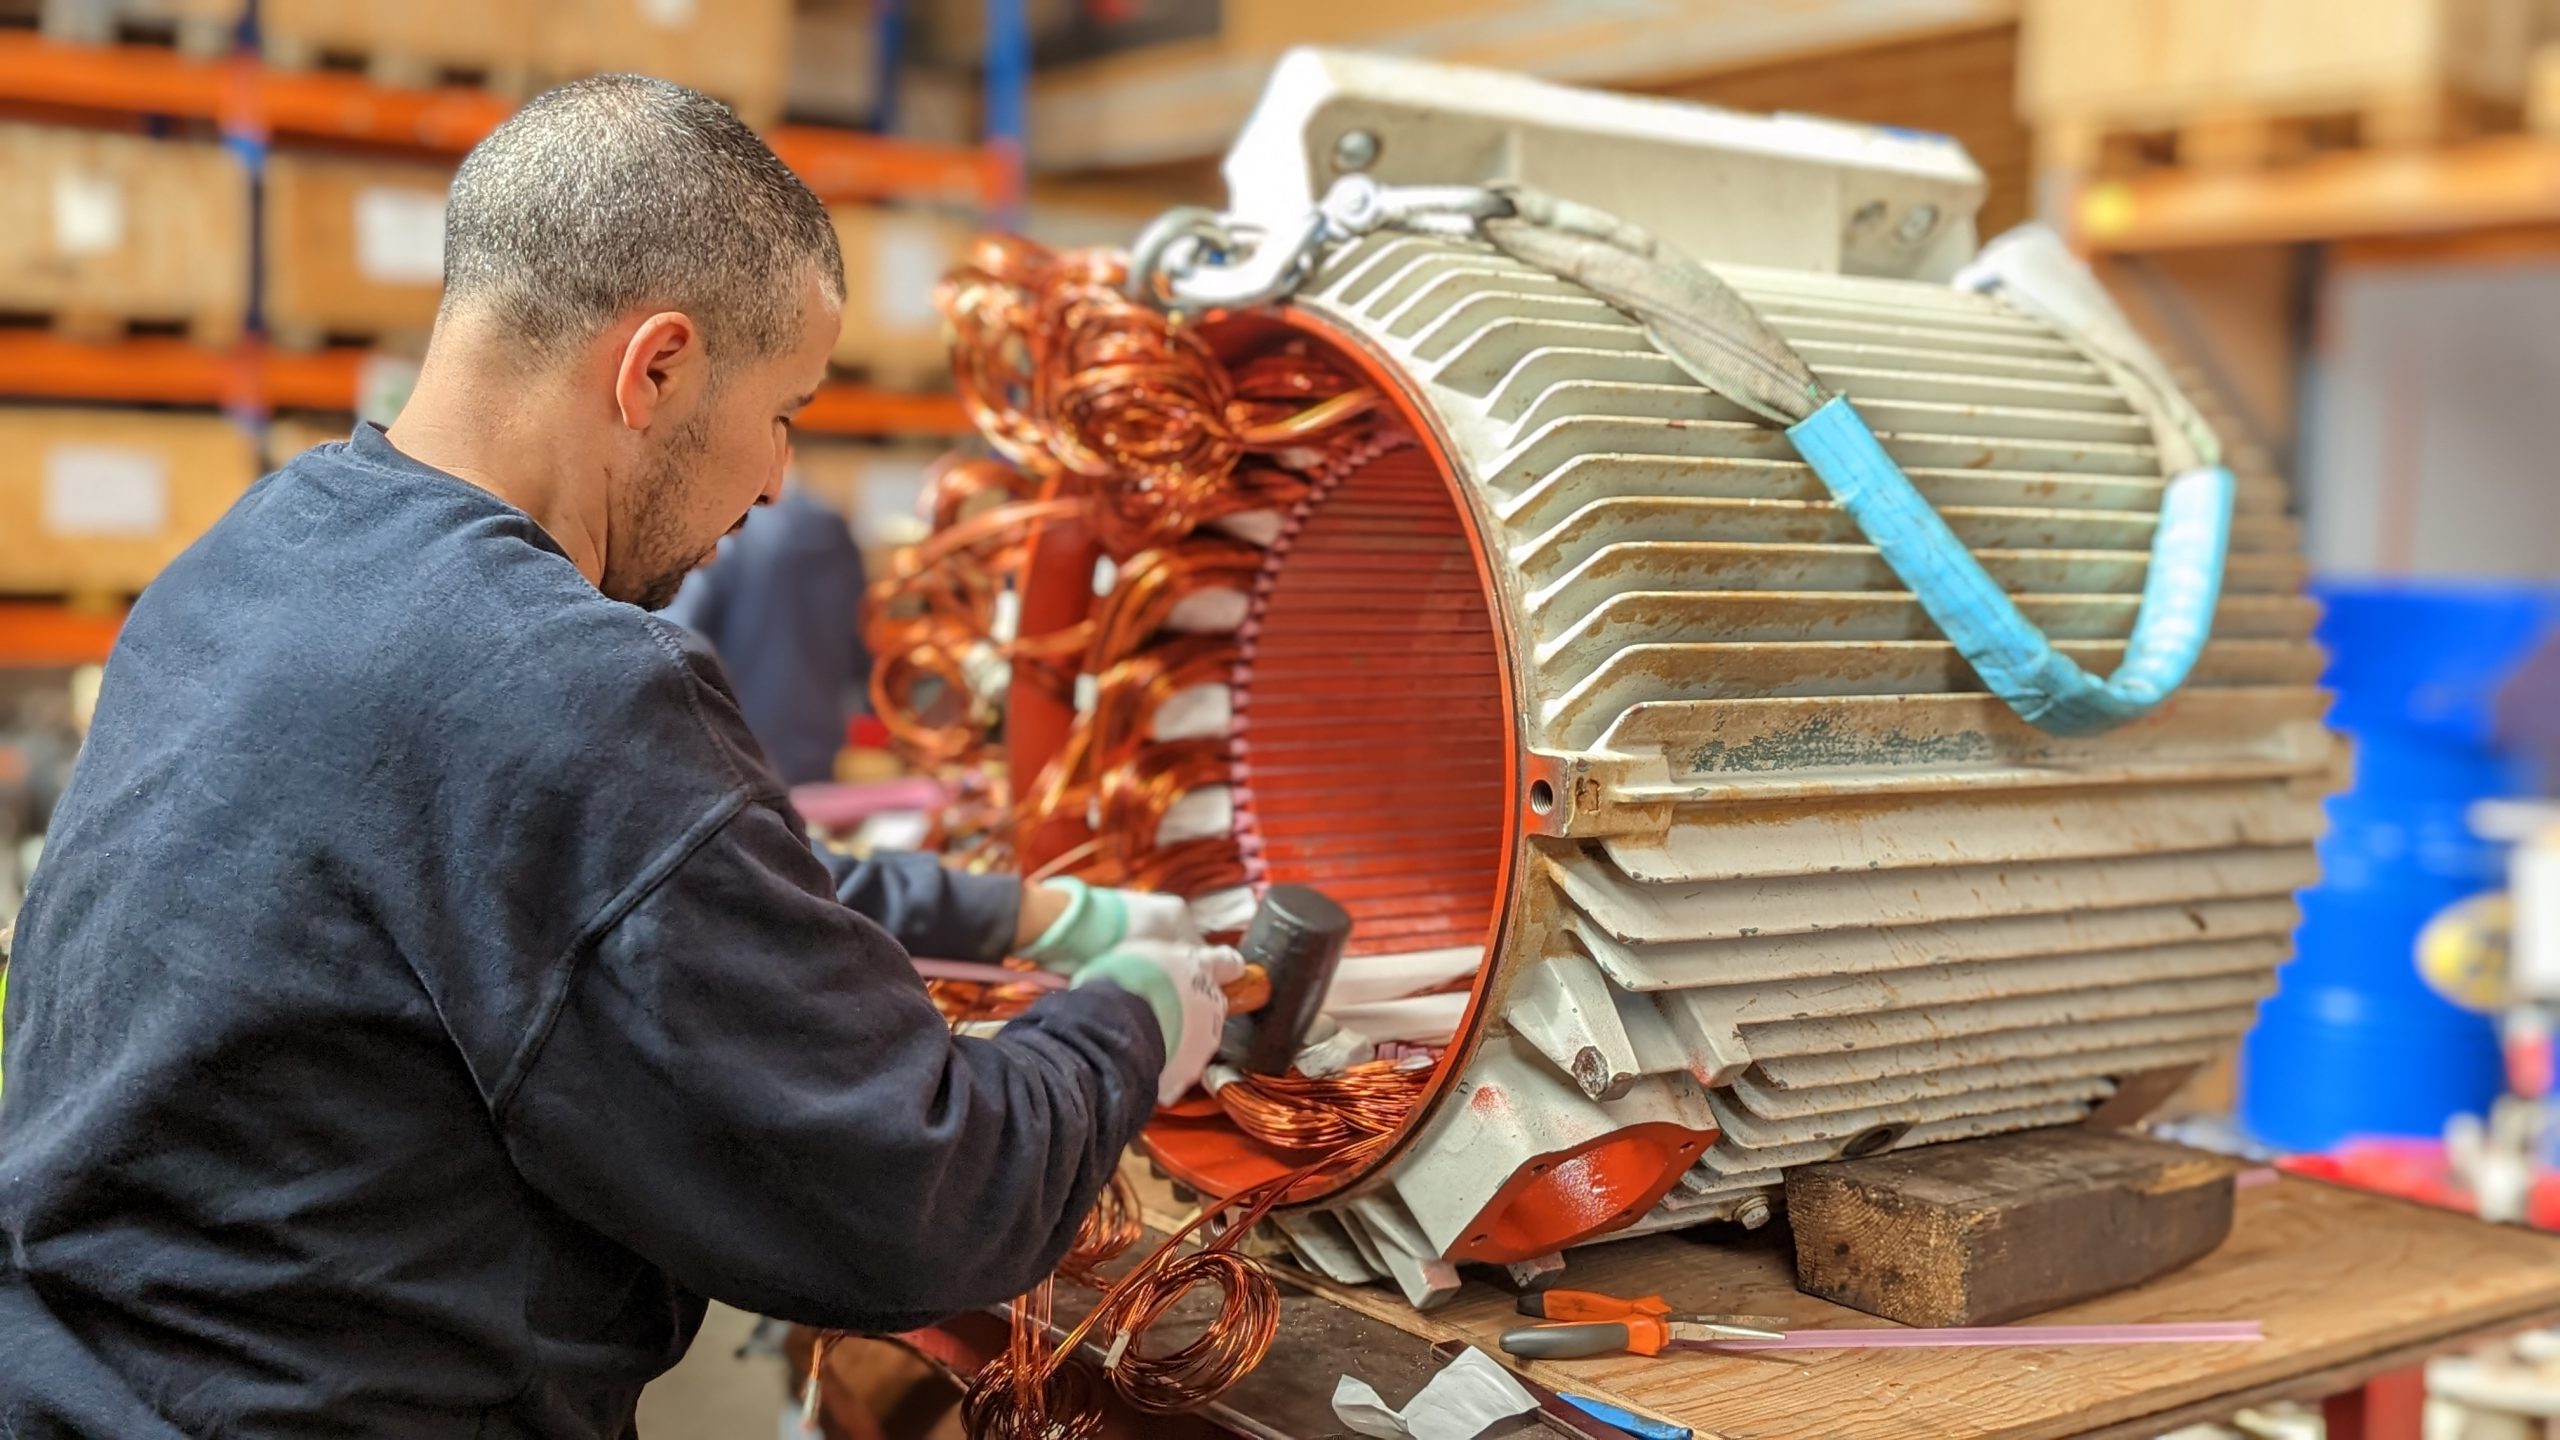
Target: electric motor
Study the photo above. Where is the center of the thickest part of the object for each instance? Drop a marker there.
(1616, 737)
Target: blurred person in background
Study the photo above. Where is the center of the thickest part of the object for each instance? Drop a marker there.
(781, 605)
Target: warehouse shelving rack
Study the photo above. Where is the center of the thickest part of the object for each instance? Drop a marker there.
(249, 103)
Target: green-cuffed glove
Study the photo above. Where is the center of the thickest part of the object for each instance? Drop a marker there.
(1183, 983)
(1099, 921)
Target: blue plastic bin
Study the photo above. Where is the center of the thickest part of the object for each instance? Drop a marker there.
(2354, 1043)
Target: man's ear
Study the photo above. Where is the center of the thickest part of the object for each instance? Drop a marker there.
(662, 364)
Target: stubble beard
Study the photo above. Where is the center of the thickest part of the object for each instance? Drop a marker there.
(659, 557)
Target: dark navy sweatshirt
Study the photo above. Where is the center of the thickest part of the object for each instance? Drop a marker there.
(428, 998)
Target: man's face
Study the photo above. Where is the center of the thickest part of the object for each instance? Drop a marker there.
(715, 463)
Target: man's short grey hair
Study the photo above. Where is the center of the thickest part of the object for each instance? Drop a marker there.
(621, 193)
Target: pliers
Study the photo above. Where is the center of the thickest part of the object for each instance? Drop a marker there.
(1597, 1324)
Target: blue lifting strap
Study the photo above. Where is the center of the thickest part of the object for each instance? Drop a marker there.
(2013, 657)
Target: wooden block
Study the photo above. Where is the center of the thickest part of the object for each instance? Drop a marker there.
(1981, 1232)
(99, 229)
(736, 50)
(353, 247)
(95, 502)
(892, 260)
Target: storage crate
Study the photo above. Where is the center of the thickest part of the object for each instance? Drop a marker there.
(1171, 99)
(736, 50)
(402, 42)
(892, 261)
(197, 27)
(99, 231)
(289, 435)
(834, 75)
(878, 488)
(354, 248)
(2215, 73)
(95, 502)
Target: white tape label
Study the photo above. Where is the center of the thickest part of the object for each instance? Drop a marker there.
(105, 490)
(400, 236)
(911, 262)
(88, 212)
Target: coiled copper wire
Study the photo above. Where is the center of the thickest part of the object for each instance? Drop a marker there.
(1296, 1113)
(1119, 417)
(1026, 1395)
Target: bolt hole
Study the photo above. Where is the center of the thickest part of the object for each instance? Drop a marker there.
(1871, 1142)
(1542, 796)
(1688, 1145)
(1538, 1169)
(1480, 1239)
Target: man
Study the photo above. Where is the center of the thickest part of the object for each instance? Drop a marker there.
(781, 605)
(429, 996)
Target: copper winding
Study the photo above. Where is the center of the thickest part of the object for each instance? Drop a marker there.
(1034, 1391)
(1115, 416)
(1297, 1113)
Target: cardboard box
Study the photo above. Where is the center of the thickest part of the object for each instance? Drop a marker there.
(835, 63)
(406, 42)
(877, 488)
(892, 261)
(98, 229)
(736, 50)
(2160, 63)
(289, 435)
(95, 502)
(353, 247)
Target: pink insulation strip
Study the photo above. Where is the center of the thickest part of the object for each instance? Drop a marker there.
(2199, 1332)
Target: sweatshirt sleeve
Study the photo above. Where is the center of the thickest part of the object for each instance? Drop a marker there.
(929, 907)
(745, 1084)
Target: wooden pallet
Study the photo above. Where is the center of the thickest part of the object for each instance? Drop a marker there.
(192, 27)
(2243, 137)
(104, 235)
(403, 44)
(95, 502)
(2118, 86)
(352, 250)
(213, 330)
(738, 51)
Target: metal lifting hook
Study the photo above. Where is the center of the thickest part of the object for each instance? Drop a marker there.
(1196, 258)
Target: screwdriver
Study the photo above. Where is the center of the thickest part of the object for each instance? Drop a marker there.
(1634, 1334)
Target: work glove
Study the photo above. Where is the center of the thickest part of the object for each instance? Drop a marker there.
(1183, 983)
(1098, 922)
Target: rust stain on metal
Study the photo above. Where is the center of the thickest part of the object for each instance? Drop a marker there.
(1824, 743)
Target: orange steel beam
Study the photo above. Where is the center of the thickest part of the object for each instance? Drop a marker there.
(130, 79)
(39, 365)
(858, 410)
(41, 633)
(2499, 182)
(849, 165)
(171, 372)
(242, 94)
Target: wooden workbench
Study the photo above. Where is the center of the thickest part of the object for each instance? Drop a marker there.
(2349, 1285)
